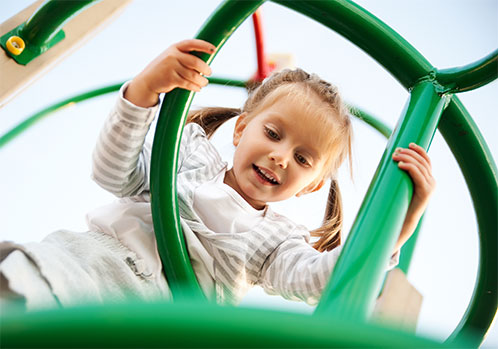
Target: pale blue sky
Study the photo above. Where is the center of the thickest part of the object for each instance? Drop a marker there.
(46, 173)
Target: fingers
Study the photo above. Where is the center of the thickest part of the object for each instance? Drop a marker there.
(177, 67)
(196, 45)
(191, 69)
(415, 155)
(417, 164)
(190, 80)
(195, 63)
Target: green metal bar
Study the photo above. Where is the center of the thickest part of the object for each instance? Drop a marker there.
(408, 66)
(371, 120)
(358, 275)
(408, 248)
(411, 69)
(470, 76)
(49, 19)
(480, 173)
(32, 120)
(42, 114)
(195, 325)
(227, 82)
(44, 28)
(170, 240)
(370, 34)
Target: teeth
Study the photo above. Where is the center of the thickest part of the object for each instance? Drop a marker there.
(267, 176)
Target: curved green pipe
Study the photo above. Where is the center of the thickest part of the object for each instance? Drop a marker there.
(369, 119)
(409, 66)
(480, 172)
(470, 76)
(195, 325)
(30, 121)
(38, 116)
(411, 69)
(172, 116)
(370, 34)
(360, 27)
(359, 272)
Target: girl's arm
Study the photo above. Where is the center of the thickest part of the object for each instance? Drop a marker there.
(297, 271)
(415, 161)
(120, 158)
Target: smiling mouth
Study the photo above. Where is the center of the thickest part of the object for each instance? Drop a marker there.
(265, 175)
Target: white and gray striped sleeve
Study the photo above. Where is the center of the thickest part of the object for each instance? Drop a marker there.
(296, 271)
(120, 162)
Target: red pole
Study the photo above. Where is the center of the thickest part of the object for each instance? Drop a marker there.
(263, 67)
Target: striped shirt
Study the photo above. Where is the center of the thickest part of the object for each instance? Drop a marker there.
(272, 252)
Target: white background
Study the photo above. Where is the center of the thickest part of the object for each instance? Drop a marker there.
(46, 172)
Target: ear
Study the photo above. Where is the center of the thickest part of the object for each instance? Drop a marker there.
(311, 188)
(240, 126)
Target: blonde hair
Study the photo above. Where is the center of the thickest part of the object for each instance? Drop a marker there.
(298, 83)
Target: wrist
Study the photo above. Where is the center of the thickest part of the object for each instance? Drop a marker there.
(140, 95)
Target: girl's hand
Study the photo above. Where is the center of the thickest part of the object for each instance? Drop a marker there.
(175, 67)
(415, 161)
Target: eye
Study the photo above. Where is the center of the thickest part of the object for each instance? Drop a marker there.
(302, 160)
(271, 133)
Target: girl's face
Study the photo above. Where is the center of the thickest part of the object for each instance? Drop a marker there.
(278, 154)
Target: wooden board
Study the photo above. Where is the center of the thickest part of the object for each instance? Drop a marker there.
(399, 304)
(15, 77)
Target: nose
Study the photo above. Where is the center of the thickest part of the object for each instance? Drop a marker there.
(280, 157)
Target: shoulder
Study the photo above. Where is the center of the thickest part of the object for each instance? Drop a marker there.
(197, 152)
(195, 141)
(193, 130)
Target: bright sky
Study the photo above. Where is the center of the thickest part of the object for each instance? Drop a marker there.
(46, 178)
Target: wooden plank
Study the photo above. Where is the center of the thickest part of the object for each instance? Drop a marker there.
(399, 304)
(15, 77)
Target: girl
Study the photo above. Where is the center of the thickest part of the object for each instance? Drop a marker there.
(292, 135)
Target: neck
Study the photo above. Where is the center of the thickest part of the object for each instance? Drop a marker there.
(231, 181)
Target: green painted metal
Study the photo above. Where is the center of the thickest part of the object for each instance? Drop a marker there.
(351, 303)
(408, 248)
(358, 275)
(227, 82)
(45, 112)
(371, 120)
(470, 76)
(370, 34)
(38, 116)
(411, 69)
(170, 241)
(44, 28)
(193, 325)
(480, 172)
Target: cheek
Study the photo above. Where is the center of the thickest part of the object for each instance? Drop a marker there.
(240, 158)
(303, 178)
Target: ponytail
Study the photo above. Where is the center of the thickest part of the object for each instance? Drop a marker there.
(330, 232)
